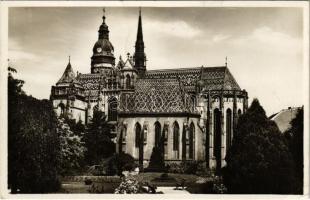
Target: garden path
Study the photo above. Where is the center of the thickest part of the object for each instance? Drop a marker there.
(171, 190)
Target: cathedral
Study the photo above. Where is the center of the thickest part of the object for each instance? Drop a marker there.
(190, 113)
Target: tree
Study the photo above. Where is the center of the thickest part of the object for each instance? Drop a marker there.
(295, 141)
(157, 163)
(259, 160)
(33, 143)
(72, 148)
(98, 139)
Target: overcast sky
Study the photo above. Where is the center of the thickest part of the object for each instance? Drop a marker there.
(263, 45)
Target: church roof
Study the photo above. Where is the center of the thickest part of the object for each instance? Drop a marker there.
(212, 78)
(68, 75)
(284, 117)
(156, 96)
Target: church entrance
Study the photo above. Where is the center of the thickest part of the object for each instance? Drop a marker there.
(217, 138)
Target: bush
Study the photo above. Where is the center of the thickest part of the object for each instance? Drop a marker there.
(129, 185)
(118, 163)
(188, 167)
(157, 163)
(175, 168)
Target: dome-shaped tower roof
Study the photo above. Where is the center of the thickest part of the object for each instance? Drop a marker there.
(103, 50)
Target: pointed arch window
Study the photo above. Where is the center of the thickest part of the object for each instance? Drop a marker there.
(228, 128)
(157, 134)
(176, 136)
(191, 141)
(128, 81)
(217, 146)
(137, 135)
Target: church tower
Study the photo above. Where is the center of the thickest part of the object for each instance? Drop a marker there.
(103, 59)
(139, 56)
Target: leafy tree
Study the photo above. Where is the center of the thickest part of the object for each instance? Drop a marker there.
(259, 160)
(97, 139)
(78, 128)
(33, 143)
(295, 140)
(72, 148)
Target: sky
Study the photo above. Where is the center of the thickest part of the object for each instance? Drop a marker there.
(264, 46)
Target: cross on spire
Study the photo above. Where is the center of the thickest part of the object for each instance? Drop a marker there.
(226, 61)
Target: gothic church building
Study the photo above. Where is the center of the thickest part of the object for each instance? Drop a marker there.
(189, 112)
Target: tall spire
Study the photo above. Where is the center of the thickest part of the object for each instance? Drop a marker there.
(139, 56)
(140, 34)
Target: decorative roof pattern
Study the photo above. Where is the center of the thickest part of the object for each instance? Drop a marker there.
(212, 78)
(156, 96)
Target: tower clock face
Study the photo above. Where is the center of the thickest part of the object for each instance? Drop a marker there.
(99, 50)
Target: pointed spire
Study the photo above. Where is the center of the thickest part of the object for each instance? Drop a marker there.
(140, 34)
(68, 76)
(139, 56)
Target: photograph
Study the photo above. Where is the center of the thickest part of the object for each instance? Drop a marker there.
(156, 98)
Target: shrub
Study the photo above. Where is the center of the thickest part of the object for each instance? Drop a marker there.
(218, 186)
(175, 168)
(129, 185)
(157, 163)
(119, 163)
(189, 167)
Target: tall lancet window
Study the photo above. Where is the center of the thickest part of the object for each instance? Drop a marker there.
(157, 134)
(228, 128)
(137, 135)
(191, 141)
(176, 136)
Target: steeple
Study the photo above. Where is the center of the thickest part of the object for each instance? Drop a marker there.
(139, 56)
(68, 75)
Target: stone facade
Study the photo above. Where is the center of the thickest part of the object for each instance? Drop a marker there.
(189, 112)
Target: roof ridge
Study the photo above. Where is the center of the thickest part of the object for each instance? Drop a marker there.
(183, 69)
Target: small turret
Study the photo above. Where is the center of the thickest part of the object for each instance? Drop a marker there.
(68, 76)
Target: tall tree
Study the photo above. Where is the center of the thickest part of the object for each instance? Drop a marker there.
(33, 143)
(259, 161)
(97, 139)
(295, 139)
(72, 148)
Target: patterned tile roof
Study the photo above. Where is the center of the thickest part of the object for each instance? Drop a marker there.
(156, 96)
(213, 78)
